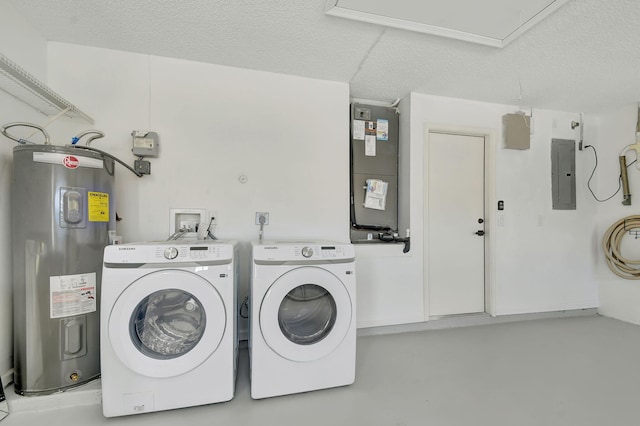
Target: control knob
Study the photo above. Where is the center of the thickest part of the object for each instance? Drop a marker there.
(171, 253)
(307, 252)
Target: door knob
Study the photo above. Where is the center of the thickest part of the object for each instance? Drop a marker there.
(479, 233)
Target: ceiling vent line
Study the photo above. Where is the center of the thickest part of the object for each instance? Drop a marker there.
(18, 83)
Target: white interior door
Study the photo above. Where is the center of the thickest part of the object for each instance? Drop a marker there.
(455, 264)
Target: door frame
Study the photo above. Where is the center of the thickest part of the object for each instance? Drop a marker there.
(490, 141)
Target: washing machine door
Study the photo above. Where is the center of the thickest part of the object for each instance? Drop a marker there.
(167, 323)
(305, 314)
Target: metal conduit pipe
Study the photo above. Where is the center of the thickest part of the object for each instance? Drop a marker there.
(625, 268)
(97, 134)
(626, 195)
(7, 126)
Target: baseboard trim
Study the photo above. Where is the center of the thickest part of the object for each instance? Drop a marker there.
(439, 323)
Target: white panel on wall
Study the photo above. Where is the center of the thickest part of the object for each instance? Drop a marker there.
(388, 286)
(283, 133)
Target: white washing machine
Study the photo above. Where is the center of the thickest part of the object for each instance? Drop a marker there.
(168, 330)
(303, 317)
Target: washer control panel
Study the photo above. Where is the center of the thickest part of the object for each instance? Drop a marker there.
(195, 252)
(170, 252)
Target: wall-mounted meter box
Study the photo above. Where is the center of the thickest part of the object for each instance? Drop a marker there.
(145, 144)
(516, 129)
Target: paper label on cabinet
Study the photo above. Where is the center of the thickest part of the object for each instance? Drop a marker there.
(72, 295)
(376, 194)
(382, 129)
(358, 130)
(370, 146)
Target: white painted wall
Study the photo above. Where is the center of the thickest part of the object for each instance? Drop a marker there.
(288, 135)
(610, 133)
(543, 259)
(21, 44)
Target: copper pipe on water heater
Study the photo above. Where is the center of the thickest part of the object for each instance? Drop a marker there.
(626, 196)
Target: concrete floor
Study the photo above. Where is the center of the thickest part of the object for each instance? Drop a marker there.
(561, 371)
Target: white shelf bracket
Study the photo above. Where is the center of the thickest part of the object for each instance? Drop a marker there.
(18, 83)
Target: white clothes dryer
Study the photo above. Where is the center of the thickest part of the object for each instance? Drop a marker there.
(168, 330)
(302, 334)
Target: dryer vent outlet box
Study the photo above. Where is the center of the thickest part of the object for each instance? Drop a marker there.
(516, 129)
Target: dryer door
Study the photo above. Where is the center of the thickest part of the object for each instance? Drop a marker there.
(305, 314)
(167, 323)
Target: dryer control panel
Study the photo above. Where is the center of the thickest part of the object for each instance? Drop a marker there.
(302, 251)
(320, 252)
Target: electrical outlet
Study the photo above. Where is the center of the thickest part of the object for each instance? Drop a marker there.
(213, 218)
(262, 214)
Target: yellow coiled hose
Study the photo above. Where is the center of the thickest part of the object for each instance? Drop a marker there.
(619, 265)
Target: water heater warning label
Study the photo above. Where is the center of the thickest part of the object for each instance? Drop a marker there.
(98, 206)
(72, 295)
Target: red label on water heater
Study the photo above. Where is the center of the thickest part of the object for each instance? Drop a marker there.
(70, 162)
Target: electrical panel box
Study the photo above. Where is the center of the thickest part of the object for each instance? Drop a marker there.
(145, 144)
(374, 171)
(563, 174)
(516, 129)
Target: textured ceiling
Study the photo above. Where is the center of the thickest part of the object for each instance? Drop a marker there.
(584, 57)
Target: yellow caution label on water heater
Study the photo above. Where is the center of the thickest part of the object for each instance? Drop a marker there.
(98, 206)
